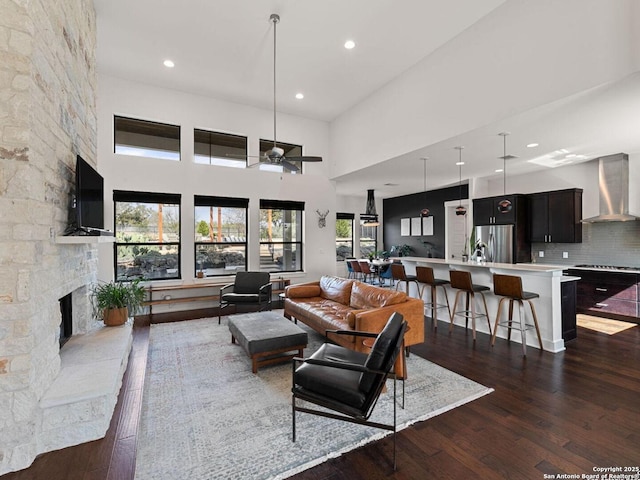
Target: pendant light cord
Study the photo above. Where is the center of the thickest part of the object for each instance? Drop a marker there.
(425, 175)
(504, 165)
(460, 182)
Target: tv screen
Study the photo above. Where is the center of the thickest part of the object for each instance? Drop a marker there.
(89, 196)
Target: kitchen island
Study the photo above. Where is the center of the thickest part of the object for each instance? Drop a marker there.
(545, 280)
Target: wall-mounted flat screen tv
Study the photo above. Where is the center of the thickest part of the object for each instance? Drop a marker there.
(89, 198)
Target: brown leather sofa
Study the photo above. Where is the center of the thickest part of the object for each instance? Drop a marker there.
(335, 303)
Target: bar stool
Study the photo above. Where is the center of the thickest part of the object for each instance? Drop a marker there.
(367, 273)
(398, 273)
(425, 276)
(509, 287)
(461, 280)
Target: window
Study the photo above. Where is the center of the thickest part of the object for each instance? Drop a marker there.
(220, 149)
(344, 236)
(280, 236)
(368, 240)
(142, 138)
(290, 150)
(221, 235)
(147, 231)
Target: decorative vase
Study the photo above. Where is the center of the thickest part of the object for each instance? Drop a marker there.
(115, 316)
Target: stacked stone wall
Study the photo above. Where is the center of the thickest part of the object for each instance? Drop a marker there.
(48, 88)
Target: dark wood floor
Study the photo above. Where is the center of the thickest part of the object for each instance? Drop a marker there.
(562, 413)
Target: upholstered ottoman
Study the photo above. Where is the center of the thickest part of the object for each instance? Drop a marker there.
(267, 337)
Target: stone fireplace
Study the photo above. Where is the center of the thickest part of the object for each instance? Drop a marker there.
(48, 86)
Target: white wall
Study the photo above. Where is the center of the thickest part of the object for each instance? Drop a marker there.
(121, 97)
(522, 55)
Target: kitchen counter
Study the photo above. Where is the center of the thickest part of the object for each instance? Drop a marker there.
(545, 280)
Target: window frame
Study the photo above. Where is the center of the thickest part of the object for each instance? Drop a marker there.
(222, 202)
(364, 240)
(285, 206)
(153, 198)
(240, 158)
(350, 217)
(149, 125)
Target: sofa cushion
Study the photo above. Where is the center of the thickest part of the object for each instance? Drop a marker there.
(303, 291)
(336, 289)
(365, 296)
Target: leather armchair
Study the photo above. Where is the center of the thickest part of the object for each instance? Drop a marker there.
(349, 382)
(249, 288)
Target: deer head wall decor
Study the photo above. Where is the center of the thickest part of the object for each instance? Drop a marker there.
(322, 218)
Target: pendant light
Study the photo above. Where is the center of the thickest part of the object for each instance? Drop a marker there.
(425, 211)
(460, 209)
(370, 217)
(505, 206)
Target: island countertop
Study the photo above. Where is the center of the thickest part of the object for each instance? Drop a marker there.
(543, 279)
(529, 267)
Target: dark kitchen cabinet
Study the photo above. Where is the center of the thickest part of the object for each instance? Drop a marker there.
(607, 294)
(486, 212)
(568, 292)
(555, 216)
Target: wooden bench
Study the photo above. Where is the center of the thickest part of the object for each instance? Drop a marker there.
(279, 285)
(168, 299)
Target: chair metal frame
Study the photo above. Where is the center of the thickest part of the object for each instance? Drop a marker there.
(344, 414)
(264, 297)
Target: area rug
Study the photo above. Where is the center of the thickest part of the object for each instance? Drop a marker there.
(205, 415)
(603, 325)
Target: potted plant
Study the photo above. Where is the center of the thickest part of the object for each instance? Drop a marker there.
(401, 250)
(114, 301)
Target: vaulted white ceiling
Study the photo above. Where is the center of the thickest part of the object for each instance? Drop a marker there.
(224, 49)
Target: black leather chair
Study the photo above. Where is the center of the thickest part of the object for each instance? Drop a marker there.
(349, 382)
(249, 288)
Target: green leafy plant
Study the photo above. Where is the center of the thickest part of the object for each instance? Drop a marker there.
(401, 250)
(117, 295)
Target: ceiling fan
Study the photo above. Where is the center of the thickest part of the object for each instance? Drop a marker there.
(275, 155)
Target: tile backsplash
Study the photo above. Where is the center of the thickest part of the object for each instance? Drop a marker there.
(611, 243)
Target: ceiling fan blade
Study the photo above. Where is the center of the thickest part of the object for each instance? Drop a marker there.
(304, 159)
(289, 166)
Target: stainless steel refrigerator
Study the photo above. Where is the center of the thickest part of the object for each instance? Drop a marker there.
(494, 243)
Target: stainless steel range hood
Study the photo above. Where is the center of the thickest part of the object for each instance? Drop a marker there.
(613, 181)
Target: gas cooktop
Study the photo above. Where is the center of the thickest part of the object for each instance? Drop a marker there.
(607, 267)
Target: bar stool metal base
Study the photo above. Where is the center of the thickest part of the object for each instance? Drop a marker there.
(469, 311)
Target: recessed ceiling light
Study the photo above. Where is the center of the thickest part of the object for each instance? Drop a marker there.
(459, 163)
(571, 155)
(349, 44)
(499, 170)
(169, 64)
(532, 145)
(299, 96)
